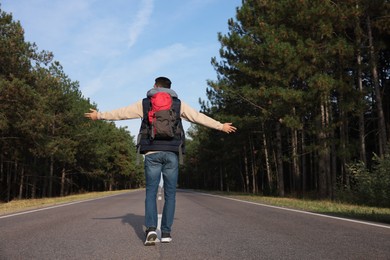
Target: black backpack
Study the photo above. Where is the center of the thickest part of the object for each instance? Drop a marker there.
(162, 117)
(161, 127)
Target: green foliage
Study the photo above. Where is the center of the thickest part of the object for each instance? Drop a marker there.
(372, 187)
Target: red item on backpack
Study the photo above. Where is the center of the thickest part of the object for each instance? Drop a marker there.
(160, 101)
(161, 116)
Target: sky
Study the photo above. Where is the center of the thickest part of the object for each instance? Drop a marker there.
(115, 49)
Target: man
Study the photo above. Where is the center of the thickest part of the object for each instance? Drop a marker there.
(160, 156)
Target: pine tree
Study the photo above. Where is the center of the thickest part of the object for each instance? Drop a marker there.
(293, 67)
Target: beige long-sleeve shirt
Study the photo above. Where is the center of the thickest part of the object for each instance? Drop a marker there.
(136, 111)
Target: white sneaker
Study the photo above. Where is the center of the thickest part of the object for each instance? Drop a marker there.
(150, 238)
(166, 238)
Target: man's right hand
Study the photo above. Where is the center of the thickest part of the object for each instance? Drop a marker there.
(228, 128)
(93, 114)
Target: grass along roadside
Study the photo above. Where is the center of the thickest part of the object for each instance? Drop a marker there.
(15, 206)
(374, 214)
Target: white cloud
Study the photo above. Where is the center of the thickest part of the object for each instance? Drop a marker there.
(160, 58)
(140, 22)
(124, 73)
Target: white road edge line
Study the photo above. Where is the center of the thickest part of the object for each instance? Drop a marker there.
(298, 211)
(56, 206)
(158, 228)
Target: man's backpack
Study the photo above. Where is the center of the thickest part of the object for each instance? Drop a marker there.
(161, 111)
(162, 117)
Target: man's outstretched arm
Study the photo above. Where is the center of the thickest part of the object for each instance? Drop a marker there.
(196, 117)
(129, 112)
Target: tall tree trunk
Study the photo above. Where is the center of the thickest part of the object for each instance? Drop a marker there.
(15, 178)
(51, 174)
(294, 155)
(303, 161)
(21, 184)
(359, 81)
(343, 130)
(295, 161)
(51, 170)
(267, 162)
(253, 164)
(332, 178)
(242, 175)
(378, 97)
(254, 174)
(362, 130)
(9, 174)
(328, 149)
(279, 158)
(323, 153)
(333, 173)
(33, 185)
(63, 179)
(246, 169)
(111, 184)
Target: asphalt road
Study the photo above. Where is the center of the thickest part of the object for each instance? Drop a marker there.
(205, 227)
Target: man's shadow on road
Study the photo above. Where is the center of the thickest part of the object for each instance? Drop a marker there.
(135, 221)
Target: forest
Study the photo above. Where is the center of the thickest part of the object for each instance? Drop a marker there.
(305, 81)
(307, 85)
(47, 147)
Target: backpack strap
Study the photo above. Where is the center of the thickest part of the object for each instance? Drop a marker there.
(146, 104)
(176, 104)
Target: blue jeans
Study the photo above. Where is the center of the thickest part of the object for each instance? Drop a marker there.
(166, 163)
